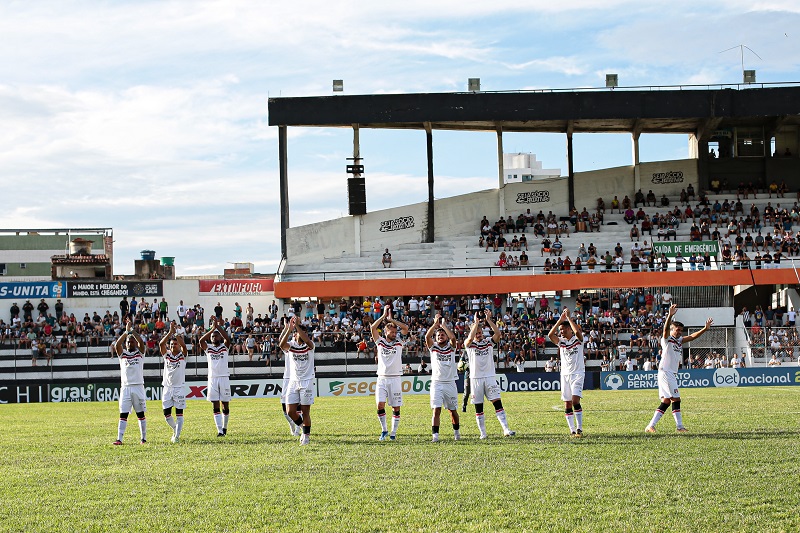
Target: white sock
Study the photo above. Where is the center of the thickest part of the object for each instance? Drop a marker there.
(382, 420)
(170, 421)
(395, 424)
(678, 418)
(178, 426)
(225, 421)
(289, 419)
(501, 416)
(571, 422)
(656, 417)
(481, 422)
(457, 433)
(579, 419)
(121, 428)
(218, 421)
(143, 428)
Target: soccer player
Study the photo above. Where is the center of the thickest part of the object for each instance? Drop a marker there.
(129, 348)
(173, 350)
(295, 430)
(443, 374)
(299, 352)
(672, 340)
(390, 369)
(219, 386)
(480, 352)
(573, 369)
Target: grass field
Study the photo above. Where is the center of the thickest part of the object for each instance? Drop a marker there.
(737, 469)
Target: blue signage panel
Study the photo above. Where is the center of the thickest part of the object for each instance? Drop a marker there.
(720, 377)
(32, 289)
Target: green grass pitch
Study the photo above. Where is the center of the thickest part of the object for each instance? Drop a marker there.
(737, 469)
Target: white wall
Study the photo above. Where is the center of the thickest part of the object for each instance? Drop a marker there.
(680, 173)
(520, 197)
(460, 215)
(605, 183)
(305, 244)
(388, 228)
(695, 317)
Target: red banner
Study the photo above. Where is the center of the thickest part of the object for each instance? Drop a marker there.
(236, 287)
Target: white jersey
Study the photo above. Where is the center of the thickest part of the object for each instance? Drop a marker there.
(481, 358)
(217, 357)
(443, 363)
(571, 350)
(390, 357)
(131, 365)
(671, 353)
(174, 370)
(299, 361)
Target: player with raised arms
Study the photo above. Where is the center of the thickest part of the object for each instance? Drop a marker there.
(219, 385)
(294, 429)
(480, 352)
(173, 393)
(443, 375)
(573, 369)
(299, 350)
(389, 388)
(672, 340)
(129, 349)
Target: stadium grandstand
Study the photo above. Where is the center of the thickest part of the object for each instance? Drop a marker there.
(715, 233)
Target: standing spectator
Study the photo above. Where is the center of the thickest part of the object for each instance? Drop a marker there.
(42, 308)
(27, 310)
(163, 309)
(124, 306)
(182, 314)
(218, 311)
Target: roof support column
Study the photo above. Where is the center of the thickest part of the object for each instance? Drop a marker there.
(570, 169)
(430, 231)
(284, 185)
(637, 174)
(501, 207)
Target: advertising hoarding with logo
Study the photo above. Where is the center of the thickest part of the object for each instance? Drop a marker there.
(720, 377)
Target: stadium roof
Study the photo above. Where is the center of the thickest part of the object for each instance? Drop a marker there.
(652, 110)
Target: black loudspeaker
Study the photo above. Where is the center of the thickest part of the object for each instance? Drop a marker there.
(357, 196)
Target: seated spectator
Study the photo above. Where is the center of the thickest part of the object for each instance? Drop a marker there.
(664, 200)
(626, 203)
(651, 198)
(538, 230)
(514, 244)
(523, 242)
(634, 232)
(563, 228)
(546, 246)
(521, 222)
(594, 224)
(556, 248)
(552, 227)
(614, 204)
(629, 216)
(523, 259)
(638, 198)
(601, 205)
(386, 259)
(491, 242)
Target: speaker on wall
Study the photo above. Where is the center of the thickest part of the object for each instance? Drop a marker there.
(357, 196)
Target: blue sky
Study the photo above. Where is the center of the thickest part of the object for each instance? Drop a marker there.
(150, 117)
